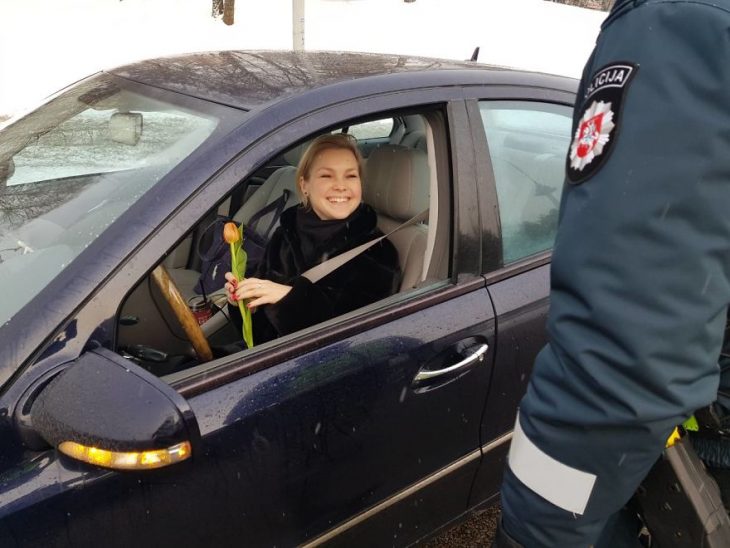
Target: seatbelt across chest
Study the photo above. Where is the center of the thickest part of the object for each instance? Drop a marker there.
(321, 270)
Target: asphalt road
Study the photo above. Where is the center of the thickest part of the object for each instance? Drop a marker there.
(475, 532)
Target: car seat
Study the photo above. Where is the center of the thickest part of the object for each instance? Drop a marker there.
(410, 133)
(397, 187)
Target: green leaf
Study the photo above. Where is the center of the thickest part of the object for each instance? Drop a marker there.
(240, 259)
(691, 424)
(238, 268)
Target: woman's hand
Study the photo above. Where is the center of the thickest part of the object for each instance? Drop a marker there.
(257, 291)
(230, 286)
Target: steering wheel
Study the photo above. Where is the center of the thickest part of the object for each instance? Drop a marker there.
(182, 312)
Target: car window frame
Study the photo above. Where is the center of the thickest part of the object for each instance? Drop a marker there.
(398, 305)
(98, 313)
(492, 265)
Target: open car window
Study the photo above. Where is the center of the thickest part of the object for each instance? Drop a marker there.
(149, 332)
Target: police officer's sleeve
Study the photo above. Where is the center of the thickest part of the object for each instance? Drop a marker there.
(641, 266)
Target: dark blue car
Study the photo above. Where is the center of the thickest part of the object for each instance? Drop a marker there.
(125, 422)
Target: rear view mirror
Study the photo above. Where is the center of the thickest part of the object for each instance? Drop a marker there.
(125, 127)
(115, 415)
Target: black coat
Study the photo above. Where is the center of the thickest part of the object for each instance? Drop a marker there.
(303, 241)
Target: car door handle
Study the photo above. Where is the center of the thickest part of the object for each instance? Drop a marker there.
(477, 355)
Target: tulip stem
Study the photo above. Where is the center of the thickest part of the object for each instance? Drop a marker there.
(245, 312)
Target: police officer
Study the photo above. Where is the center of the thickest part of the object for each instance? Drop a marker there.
(640, 272)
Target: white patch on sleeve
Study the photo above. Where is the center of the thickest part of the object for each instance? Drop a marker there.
(558, 483)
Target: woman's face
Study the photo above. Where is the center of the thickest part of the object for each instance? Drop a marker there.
(333, 188)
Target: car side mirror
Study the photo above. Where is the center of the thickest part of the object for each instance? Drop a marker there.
(109, 412)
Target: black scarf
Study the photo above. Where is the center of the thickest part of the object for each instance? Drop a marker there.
(320, 240)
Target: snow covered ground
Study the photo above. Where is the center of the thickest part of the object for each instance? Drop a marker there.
(47, 45)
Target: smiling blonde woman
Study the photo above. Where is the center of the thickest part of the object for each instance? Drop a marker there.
(332, 219)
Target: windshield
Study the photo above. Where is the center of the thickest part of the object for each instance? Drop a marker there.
(71, 167)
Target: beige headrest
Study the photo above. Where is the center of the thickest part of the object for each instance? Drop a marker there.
(397, 181)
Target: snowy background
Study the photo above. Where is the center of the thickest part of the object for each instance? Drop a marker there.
(46, 45)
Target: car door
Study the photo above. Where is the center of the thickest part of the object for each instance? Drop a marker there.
(337, 439)
(521, 145)
(330, 436)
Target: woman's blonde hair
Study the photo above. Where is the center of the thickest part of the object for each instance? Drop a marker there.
(324, 142)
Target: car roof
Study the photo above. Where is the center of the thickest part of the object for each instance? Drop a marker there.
(249, 79)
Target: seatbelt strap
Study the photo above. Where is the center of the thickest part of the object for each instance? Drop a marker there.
(277, 206)
(321, 270)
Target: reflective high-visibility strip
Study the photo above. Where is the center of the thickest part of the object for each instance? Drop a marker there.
(554, 481)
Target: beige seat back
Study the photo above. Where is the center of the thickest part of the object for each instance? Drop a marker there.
(397, 186)
(271, 189)
(411, 133)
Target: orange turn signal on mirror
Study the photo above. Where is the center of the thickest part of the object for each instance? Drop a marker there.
(119, 460)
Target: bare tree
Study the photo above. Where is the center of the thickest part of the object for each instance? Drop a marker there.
(224, 9)
(228, 11)
(217, 9)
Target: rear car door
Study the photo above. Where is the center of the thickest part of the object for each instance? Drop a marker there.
(521, 147)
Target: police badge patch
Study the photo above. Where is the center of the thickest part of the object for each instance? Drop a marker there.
(598, 125)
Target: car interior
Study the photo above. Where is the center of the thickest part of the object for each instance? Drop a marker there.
(400, 182)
